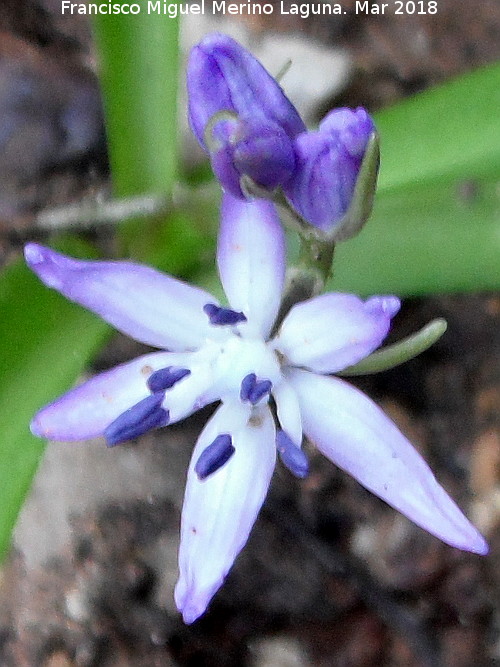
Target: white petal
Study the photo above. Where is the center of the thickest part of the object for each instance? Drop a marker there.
(196, 390)
(356, 435)
(333, 331)
(251, 259)
(219, 512)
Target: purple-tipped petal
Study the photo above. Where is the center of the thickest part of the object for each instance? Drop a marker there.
(147, 305)
(219, 512)
(251, 259)
(86, 411)
(222, 75)
(354, 433)
(333, 331)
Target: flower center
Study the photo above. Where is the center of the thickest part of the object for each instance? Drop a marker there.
(247, 367)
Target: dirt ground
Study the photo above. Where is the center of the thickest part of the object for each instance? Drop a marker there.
(331, 576)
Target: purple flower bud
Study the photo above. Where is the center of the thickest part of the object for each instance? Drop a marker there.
(353, 128)
(223, 76)
(328, 164)
(259, 149)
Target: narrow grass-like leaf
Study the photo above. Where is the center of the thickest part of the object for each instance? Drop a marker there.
(396, 354)
(138, 56)
(139, 79)
(430, 237)
(447, 132)
(436, 220)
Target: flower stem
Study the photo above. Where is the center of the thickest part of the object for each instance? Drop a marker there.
(308, 276)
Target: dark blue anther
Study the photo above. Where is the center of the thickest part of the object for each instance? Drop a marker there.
(165, 378)
(214, 456)
(253, 390)
(247, 384)
(135, 421)
(223, 316)
(292, 456)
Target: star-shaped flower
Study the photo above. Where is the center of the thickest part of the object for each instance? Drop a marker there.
(273, 387)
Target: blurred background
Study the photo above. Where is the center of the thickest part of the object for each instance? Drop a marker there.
(331, 575)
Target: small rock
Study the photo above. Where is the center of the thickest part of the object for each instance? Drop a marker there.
(279, 651)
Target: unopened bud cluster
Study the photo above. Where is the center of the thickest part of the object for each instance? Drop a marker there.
(253, 134)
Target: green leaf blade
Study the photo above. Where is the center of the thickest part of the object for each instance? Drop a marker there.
(139, 79)
(425, 239)
(451, 131)
(46, 343)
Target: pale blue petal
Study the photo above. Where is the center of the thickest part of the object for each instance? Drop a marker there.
(251, 259)
(354, 433)
(143, 303)
(333, 331)
(288, 411)
(84, 412)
